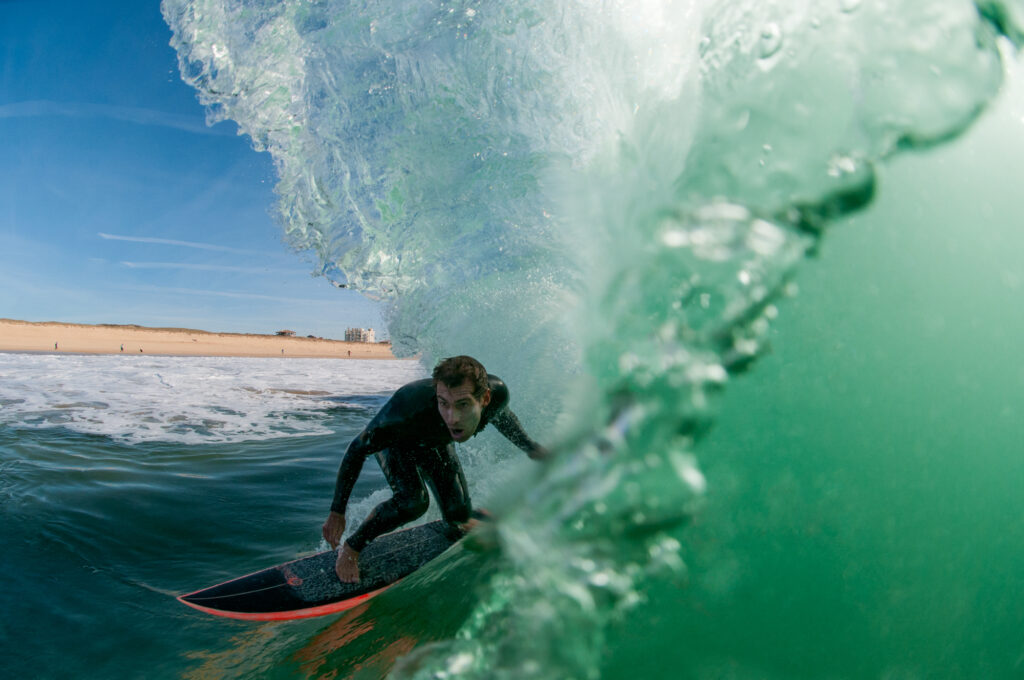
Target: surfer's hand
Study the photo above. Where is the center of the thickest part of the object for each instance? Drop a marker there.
(334, 527)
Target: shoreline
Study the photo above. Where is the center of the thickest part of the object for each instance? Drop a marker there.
(54, 337)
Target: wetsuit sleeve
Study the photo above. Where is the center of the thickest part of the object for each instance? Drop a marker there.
(508, 424)
(351, 466)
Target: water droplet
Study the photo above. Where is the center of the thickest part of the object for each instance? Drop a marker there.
(686, 467)
(842, 165)
(743, 120)
(675, 238)
(770, 41)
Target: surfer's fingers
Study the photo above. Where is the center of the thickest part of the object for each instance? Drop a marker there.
(329, 535)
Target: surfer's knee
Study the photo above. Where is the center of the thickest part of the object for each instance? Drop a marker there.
(411, 506)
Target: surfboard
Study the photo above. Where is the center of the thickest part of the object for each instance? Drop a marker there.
(309, 587)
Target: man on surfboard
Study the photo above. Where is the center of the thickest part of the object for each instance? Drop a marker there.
(413, 438)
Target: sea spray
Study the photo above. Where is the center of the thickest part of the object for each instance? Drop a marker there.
(494, 171)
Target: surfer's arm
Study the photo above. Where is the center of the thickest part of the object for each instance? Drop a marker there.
(348, 472)
(508, 425)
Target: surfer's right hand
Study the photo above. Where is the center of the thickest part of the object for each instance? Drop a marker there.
(333, 529)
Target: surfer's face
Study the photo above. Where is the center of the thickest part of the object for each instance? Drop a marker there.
(460, 410)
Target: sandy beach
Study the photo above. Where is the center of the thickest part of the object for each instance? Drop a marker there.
(49, 336)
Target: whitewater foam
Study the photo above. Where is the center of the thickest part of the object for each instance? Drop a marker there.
(191, 400)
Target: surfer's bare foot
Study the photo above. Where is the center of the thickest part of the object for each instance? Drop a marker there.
(475, 519)
(347, 566)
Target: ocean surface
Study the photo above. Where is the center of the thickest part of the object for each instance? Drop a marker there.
(753, 269)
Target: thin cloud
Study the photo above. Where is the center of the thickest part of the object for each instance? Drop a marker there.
(227, 294)
(172, 242)
(205, 267)
(127, 114)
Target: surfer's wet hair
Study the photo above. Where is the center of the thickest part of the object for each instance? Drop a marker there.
(454, 371)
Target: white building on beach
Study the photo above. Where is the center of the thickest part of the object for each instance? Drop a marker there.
(360, 335)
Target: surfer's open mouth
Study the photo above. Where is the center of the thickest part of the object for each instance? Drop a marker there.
(457, 432)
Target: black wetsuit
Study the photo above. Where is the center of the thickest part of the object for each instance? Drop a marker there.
(413, 446)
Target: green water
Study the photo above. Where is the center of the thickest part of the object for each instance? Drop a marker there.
(864, 510)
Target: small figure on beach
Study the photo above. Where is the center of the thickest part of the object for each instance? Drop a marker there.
(413, 437)
(122, 347)
(55, 345)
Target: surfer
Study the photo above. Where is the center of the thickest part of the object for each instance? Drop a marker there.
(413, 438)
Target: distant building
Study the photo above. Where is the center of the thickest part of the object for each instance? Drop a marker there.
(286, 333)
(360, 335)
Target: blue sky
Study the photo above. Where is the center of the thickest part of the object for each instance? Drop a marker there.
(118, 204)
